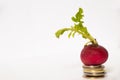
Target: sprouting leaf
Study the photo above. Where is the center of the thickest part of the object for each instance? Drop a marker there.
(79, 15)
(74, 19)
(80, 10)
(70, 34)
(60, 32)
(78, 27)
(73, 34)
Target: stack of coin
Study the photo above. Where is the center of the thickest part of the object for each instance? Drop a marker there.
(94, 71)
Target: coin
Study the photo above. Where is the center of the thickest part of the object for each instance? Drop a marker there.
(94, 71)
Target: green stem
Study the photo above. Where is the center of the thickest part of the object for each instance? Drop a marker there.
(92, 39)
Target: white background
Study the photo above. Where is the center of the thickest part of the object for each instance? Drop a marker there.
(29, 49)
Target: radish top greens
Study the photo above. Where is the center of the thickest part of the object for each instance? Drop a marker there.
(78, 27)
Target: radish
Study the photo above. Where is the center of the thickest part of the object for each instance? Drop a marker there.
(92, 54)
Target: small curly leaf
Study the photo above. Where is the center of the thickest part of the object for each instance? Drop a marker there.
(74, 19)
(60, 32)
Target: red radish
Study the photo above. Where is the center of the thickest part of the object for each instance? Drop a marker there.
(93, 55)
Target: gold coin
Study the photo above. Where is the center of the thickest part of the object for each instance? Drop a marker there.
(94, 70)
(99, 69)
(94, 67)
